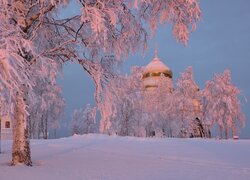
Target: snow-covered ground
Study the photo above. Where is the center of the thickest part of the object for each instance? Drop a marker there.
(111, 157)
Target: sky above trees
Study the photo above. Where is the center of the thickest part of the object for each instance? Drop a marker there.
(221, 41)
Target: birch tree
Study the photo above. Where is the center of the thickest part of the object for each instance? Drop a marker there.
(186, 96)
(165, 107)
(20, 147)
(122, 105)
(84, 121)
(222, 104)
(46, 107)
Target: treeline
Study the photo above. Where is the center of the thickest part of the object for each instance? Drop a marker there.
(129, 109)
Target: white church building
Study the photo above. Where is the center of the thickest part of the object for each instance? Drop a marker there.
(6, 128)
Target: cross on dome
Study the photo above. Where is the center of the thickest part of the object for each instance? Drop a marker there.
(156, 51)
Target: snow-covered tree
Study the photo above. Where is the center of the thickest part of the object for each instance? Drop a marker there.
(158, 104)
(131, 110)
(76, 122)
(31, 32)
(221, 104)
(84, 121)
(45, 109)
(165, 107)
(187, 102)
(24, 38)
(122, 106)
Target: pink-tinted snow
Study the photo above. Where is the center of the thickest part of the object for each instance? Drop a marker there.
(112, 157)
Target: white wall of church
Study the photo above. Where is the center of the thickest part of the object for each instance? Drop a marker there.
(6, 128)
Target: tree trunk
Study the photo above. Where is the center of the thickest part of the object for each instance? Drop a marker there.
(46, 126)
(0, 135)
(209, 133)
(55, 133)
(41, 133)
(226, 133)
(21, 145)
(221, 136)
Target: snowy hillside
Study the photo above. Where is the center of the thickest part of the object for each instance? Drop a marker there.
(111, 157)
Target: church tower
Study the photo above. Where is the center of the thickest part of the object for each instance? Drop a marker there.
(154, 71)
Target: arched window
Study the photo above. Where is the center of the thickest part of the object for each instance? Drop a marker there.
(7, 124)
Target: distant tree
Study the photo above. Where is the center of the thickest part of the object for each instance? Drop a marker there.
(76, 122)
(45, 111)
(90, 119)
(131, 110)
(158, 103)
(84, 121)
(55, 112)
(130, 107)
(121, 105)
(222, 105)
(186, 98)
(166, 106)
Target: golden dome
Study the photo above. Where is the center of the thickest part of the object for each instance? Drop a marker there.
(154, 71)
(157, 68)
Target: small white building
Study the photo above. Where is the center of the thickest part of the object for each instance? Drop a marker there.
(6, 128)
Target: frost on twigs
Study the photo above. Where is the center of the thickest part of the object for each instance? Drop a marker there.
(118, 28)
(114, 29)
(181, 15)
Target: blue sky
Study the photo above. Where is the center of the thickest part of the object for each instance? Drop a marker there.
(221, 41)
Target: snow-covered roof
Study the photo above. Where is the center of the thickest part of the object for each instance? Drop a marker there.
(157, 66)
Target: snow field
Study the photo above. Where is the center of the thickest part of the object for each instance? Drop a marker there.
(105, 157)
